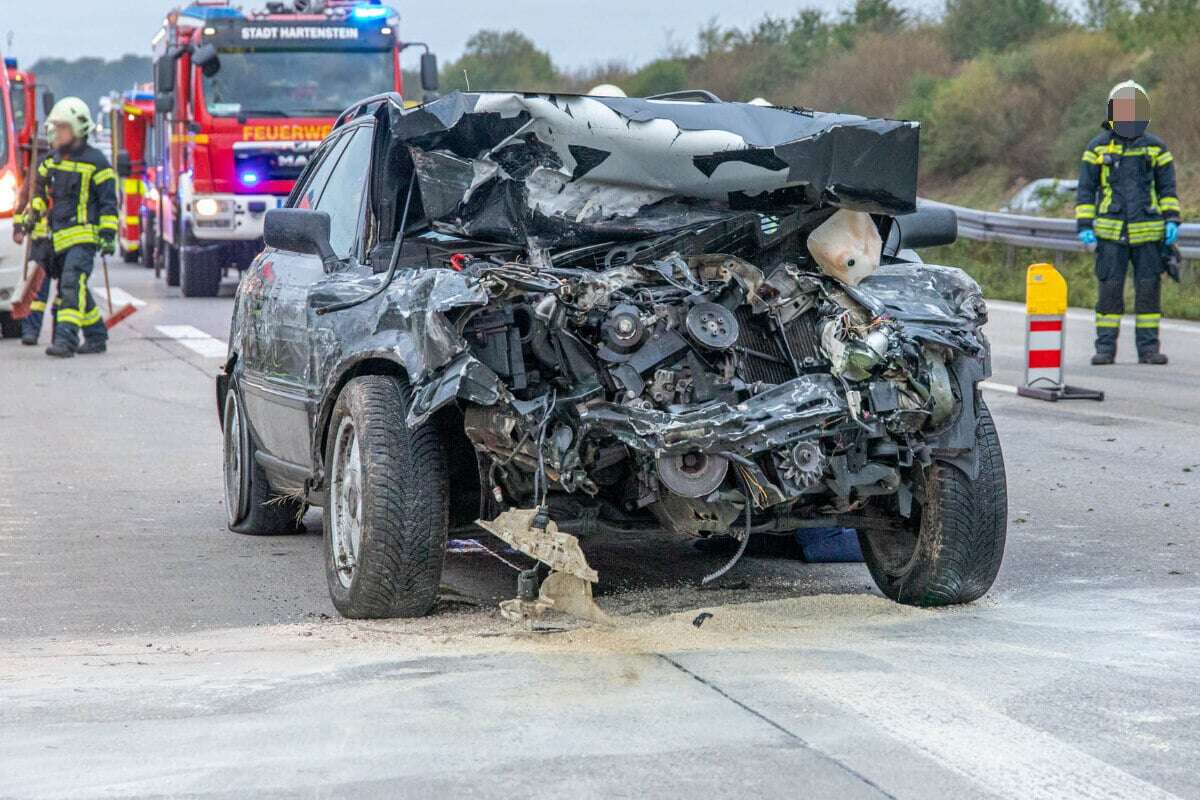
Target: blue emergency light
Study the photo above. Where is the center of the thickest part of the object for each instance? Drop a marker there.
(370, 13)
(250, 178)
(10, 62)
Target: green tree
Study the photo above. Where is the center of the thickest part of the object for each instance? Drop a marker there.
(657, 77)
(972, 27)
(501, 60)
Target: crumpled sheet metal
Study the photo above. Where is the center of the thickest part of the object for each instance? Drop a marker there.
(757, 425)
(573, 169)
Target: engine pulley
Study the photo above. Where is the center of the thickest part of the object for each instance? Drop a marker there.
(692, 474)
(712, 326)
(623, 329)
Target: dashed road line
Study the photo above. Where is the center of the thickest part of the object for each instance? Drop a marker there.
(998, 387)
(120, 297)
(195, 340)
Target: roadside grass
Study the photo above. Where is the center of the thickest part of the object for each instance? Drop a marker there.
(1000, 271)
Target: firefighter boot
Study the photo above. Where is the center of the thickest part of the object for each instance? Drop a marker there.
(92, 347)
(1153, 358)
(1102, 359)
(60, 350)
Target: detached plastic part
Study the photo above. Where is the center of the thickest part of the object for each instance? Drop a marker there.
(847, 246)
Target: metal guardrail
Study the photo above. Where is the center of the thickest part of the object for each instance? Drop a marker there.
(1048, 233)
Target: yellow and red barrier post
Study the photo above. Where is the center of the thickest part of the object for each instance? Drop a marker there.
(1046, 338)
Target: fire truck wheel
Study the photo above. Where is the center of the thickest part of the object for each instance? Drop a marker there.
(199, 272)
(129, 256)
(170, 255)
(148, 254)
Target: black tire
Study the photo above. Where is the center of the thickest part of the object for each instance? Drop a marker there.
(9, 328)
(199, 272)
(250, 504)
(955, 554)
(129, 256)
(170, 256)
(147, 254)
(400, 496)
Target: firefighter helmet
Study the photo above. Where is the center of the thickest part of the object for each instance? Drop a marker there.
(73, 112)
(1134, 115)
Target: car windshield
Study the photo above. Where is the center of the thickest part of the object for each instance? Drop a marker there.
(292, 84)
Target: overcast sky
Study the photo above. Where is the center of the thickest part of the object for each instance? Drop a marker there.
(575, 33)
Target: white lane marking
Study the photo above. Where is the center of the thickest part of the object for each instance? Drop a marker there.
(195, 340)
(1083, 315)
(120, 297)
(958, 732)
(998, 387)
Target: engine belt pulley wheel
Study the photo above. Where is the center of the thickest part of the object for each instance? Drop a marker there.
(692, 474)
(712, 326)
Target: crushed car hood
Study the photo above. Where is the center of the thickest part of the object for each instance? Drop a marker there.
(572, 170)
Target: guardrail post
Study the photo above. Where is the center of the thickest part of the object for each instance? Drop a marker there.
(1046, 337)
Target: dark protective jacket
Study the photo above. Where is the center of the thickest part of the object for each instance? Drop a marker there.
(1126, 188)
(79, 189)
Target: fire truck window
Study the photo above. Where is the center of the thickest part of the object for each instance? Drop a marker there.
(261, 83)
(342, 198)
(18, 103)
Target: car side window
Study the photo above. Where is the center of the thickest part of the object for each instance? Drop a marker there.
(310, 191)
(342, 198)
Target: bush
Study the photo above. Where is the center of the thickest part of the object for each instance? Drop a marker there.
(876, 76)
(974, 27)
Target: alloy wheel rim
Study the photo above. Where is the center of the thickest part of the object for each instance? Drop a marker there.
(233, 462)
(346, 495)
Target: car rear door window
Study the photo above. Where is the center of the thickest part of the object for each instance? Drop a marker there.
(342, 197)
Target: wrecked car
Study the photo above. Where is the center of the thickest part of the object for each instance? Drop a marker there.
(554, 316)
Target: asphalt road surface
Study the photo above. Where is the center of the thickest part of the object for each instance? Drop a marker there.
(146, 651)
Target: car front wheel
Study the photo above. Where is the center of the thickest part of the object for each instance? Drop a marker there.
(954, 554)
(387, 515)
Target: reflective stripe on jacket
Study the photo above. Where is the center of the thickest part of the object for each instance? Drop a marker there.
(79, 188)
(1126, 188)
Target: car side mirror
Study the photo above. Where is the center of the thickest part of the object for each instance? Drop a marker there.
(298, 230)
(929, 226)
(124, 164)
(47, 102)
(205, 57)
(429, 73)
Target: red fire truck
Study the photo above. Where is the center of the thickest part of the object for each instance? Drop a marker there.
(131, 120)
(18, 127)
(241, 101)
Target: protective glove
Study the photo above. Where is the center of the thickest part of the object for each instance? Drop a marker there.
(1172, 233)
(108, 243)
(1087, 236)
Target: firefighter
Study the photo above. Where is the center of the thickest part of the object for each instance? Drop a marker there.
(1127, 208)
(78, 187)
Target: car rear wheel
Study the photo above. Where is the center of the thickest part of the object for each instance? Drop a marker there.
(387, 515)
(955, 553)
(251, 506)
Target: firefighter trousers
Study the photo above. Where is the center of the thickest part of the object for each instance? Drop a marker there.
(77, 310)
(1112, 260)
